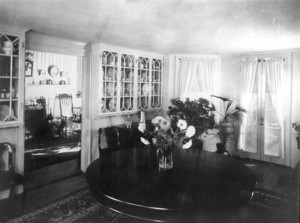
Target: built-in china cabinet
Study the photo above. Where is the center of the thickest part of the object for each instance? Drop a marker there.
(12, 47)
(126, 80)
(119, 83)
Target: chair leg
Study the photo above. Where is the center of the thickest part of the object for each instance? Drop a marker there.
(24, 197)
(12, 188)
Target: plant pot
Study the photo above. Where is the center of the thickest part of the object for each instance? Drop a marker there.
(226, 127)
(298, 141)
(220, 148)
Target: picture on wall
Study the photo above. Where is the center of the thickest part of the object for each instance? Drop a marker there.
(28, 68)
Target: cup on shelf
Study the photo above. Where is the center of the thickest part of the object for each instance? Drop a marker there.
(7, 47)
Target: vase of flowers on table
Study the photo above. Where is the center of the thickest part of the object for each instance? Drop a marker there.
(165, 135)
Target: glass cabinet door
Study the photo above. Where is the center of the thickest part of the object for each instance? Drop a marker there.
(143, 83)
(156, 83)
(9, 78)
(127, 82)
(109, 98)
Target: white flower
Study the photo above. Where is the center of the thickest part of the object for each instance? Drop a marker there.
(187, 145)
(190, 131)
(163, 123)
(146, 142)
(142, 127)
(181, 124)
(157, 120)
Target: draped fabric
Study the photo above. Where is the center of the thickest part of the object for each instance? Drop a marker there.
(270, 75)
(275, 70)
(199, 78)
(248, 76)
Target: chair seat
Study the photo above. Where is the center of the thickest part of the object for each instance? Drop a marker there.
(8, 178)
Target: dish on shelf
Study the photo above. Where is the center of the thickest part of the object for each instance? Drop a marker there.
(109, 89)
(111, 104)
(41, 72)
(127, 103)
(53, 70)
(145, 89)
(109, 74)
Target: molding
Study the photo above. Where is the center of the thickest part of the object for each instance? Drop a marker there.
(12, 29)
(46, 43)
(261, 53)
(127, 50)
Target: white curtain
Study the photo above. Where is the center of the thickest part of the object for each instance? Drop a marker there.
(275, 70)
(247, 79)
(197, 77)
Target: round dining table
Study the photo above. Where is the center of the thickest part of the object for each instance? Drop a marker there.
(199, 185)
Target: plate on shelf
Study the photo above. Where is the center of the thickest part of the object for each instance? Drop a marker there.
(111, 105)
(109, 89)
(145, 89)
(127, 103)
(53, 70)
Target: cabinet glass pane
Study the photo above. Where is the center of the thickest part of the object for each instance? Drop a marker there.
(109, 94)
(143, 83)
(9, 74)
(156, 83)
(127, 82)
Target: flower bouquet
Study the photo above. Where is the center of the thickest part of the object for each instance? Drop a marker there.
(165, 135)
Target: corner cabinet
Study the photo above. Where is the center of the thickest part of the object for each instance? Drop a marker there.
(11, 64)
(126, 80)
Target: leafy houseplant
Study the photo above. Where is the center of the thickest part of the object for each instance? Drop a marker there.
(232, 119)
(196, 112)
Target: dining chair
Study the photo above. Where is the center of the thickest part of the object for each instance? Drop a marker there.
(11, 183)
(114, 138)
(109, 140)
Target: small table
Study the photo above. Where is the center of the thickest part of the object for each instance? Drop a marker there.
(130, 182)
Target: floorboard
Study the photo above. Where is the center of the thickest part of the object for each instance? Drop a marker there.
(51, 192)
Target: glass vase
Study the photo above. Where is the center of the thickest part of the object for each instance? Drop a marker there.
(165, 159)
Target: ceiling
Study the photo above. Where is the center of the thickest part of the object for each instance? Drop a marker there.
(165, 26)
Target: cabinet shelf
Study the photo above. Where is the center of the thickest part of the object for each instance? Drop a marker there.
(8, 77)
(55, 85)
(11, 78)
(6, 55)
(7, 100)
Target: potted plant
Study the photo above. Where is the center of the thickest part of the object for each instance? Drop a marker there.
(231, 119)
(196, 112)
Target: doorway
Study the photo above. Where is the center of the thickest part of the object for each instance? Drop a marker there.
(263, 132)
(53, 106)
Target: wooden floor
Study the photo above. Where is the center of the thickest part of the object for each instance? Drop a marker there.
(43, 195)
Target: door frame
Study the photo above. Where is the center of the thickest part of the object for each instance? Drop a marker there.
(259, 155)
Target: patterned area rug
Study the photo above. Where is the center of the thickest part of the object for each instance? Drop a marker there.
(81, 207)
(78, 207)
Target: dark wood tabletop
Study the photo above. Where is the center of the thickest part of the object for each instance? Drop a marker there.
(130, 181)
